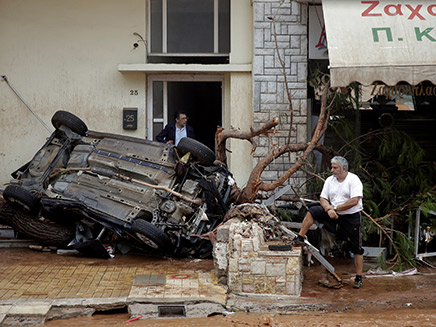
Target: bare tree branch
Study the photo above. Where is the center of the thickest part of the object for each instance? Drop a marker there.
(223, 134)
(254, 184)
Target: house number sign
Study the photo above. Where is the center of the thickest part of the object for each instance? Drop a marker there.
(130, 118)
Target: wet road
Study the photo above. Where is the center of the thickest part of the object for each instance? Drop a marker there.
(410, 317)
(387, 301)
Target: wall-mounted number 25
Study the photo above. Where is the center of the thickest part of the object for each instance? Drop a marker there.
(129, 118)
(133, 92)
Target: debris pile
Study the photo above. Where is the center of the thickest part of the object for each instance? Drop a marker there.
(259, 214)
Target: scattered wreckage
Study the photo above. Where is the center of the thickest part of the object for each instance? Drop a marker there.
(112, 188)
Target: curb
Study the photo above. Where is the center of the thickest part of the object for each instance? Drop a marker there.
(36, 312)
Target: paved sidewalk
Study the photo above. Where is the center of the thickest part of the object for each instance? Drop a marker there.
(45, 285)
(26, 274)
(41, 286)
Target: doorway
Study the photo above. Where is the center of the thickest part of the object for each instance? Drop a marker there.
(201, 100)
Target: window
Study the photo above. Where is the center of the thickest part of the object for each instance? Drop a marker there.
(189, 31)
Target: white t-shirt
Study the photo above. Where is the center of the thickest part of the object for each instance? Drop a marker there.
(339, 193)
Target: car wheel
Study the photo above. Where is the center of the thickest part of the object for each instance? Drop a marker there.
(17, 195)
(150, 234)
(71, 121)
(200, 151)
(43, 230)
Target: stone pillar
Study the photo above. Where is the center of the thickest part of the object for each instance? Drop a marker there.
(270, 99)
(243, 260)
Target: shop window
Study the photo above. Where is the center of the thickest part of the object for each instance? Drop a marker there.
(189, 31)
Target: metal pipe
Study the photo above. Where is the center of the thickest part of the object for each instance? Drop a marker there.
(5, 79)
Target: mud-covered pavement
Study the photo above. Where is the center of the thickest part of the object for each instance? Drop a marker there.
(383, 301)
(378, 293)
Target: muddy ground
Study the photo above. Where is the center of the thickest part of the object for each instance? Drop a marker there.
(383, 301)
(401, 317)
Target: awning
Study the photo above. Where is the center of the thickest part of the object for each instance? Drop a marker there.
(387, 41)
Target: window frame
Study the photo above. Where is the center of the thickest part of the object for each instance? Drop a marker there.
(164, 40)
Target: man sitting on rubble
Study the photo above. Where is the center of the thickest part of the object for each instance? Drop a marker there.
(340, 202)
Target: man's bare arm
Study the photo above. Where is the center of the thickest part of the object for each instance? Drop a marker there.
(349, 204)
(325, 204)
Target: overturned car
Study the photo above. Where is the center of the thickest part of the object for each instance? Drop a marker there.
(114, 187)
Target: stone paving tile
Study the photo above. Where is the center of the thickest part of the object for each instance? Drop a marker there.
(49, 276)
(179, 286)
(70, 282)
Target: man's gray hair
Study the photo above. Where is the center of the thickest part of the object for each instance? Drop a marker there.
(341, 161)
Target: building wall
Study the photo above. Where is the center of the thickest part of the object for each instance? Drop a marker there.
(64, 55)
(269, 92)
(240, 106)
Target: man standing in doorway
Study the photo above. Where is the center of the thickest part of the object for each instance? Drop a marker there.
(341, 203)
(173, 133)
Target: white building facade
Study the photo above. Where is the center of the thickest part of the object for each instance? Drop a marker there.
(110, 60)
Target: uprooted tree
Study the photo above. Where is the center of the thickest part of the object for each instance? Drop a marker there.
(396, 197)
(397, 180)
(255, 184)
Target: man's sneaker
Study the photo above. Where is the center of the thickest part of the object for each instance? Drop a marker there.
(358, 283)
(298, 241)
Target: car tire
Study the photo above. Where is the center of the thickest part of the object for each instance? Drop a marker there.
(44, 231)
(15, 194)
(69, 120)
(150, 235)
(200, 151)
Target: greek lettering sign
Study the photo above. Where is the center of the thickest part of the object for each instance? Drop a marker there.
(389, 41)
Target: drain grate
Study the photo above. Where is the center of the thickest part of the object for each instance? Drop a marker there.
(171, 311)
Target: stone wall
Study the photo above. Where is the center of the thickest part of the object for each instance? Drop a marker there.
(270, 99)
(244, 262)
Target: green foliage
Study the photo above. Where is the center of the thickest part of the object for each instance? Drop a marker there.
(396, 179)
(405, 250)
(314, 185)
(342, 127)
(397, 182)
(286, 215)
(396, 175)
(426, 201)
(381, 261)
(395, 142)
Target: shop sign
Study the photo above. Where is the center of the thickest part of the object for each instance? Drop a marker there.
(381, 40)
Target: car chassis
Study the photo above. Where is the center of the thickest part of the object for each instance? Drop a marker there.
(151, 194)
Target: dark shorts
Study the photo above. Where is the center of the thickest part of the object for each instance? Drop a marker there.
(350, 225)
